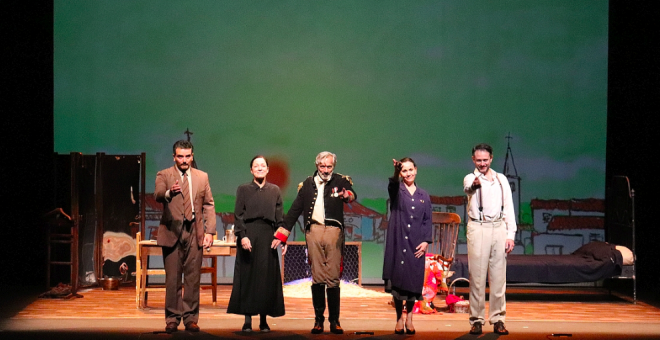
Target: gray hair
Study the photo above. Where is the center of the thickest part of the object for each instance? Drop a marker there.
(325, 154)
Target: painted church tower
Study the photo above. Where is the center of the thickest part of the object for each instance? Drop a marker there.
(511, 174)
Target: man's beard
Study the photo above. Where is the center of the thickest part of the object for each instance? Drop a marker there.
(325, 178)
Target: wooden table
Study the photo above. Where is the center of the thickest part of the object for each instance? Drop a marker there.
(146, 248)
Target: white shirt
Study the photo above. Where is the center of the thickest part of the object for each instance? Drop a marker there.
(318, 214)
(190, 189)
(492, 200)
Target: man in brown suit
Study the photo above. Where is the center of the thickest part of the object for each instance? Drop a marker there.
(187, 206)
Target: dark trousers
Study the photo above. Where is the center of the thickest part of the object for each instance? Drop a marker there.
(184, 258)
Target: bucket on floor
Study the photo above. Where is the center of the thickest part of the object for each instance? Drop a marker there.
(456, 303)
(462, 306)
(110, 283)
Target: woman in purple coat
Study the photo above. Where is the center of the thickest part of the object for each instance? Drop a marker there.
(408, 235)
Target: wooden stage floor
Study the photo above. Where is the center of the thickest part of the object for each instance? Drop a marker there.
(584, 313)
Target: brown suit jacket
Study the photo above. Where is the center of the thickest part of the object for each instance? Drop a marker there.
(172, 220)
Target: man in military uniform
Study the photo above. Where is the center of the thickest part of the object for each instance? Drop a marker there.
(321, 200)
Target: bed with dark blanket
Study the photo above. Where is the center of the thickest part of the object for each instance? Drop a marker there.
(591, 262)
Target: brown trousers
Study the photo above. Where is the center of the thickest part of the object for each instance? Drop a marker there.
(324, 246)
(185, 258)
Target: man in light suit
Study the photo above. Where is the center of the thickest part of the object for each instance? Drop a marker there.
(490, 232)
(187, 206)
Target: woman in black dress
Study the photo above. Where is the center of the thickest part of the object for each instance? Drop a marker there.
(257, 285)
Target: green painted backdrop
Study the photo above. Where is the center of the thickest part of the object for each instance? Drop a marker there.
(368, 80)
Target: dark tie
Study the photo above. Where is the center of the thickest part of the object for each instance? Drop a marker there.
(187, 207)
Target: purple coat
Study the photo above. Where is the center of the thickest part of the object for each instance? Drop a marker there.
(410, 225)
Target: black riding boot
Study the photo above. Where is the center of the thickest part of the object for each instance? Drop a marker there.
(318, 300)
(333, 310)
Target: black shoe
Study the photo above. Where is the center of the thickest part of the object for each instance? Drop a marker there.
(408, 330)
(318, 300)
(171, 327)
(318, 327)
(476, 328)
(398, 331)
(500, 329)
(192, 327)
(335, 327)
(264, 327)
(247, 328)
(334, 305)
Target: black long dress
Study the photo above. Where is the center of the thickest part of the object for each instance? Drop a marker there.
(257, 287)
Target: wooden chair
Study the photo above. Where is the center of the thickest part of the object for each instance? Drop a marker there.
(213, 270)
(445, 236)
(145, 248)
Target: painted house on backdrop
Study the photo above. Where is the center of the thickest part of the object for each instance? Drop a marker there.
(562, 226)
(362, 223)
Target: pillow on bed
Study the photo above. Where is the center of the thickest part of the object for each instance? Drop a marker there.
(628, 258)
